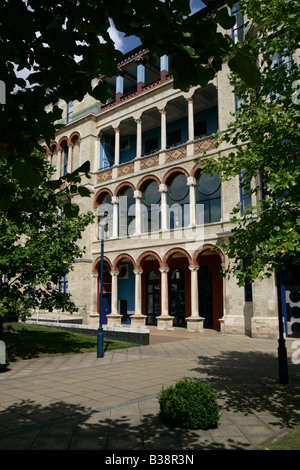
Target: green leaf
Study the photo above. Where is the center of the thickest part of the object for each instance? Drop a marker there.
(246, 69)
(83, 191)
(224, 19)
(71, 210)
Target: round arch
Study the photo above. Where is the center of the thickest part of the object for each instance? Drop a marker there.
(205, 248)
(172, 172)
(145, 180)
(144, 255)
(122, 186)
(74, 136)
(62, 140)
(120, 258)
(173, 251)
(96, 265)
(100, 194)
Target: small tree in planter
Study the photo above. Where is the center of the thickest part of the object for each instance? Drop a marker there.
(190, 404)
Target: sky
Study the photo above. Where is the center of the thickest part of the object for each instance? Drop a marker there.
(126, 44)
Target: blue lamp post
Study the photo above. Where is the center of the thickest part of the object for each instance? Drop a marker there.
(102, 222)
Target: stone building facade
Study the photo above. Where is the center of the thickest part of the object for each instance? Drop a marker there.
(165, 216)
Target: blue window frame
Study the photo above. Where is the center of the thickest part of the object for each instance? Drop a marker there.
(178, 201)
(245, 194)
(209, 195)
(150, 217)
(69, 111)
(238, 29)
(63, 284)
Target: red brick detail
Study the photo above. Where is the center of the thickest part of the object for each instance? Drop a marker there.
(205, 144)
(96, 265)
(172, 252)
(126, 169)
(172, 172)
(148, 162)
(143, 256)
(121, 258)
(175, 154)
(145, 180)
(99, 195)
(122, 186)
(104, 176)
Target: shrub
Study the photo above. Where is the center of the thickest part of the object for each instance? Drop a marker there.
(190, 404)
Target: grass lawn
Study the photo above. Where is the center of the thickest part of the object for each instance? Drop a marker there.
(37, 341)
(290, 441)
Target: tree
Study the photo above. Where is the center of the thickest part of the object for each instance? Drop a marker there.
(38, 249)
(59, 44)
(266, 140)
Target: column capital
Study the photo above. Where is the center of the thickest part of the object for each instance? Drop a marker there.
(163, 188)
(137, 194)
(114, 273)
(138, 271)
(164, 270)
(191, 181)
(115, 200)
(194, 268)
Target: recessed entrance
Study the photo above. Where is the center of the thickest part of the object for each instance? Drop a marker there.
(152, 296)
(177, 297)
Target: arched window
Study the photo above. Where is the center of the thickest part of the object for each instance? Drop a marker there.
(178, 201)
(177, 297)
(150, 209)
(126, 212)
(208, 198)
(65, 150)
(105, 205)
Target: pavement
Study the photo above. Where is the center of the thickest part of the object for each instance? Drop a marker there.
(81, 402)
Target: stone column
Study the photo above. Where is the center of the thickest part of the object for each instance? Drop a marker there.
(163, 114)
(191, 181)
(164, 321)
(164, 209)
(194, 322)
(138, 138)
(191, 118)
(117, 145)
(138, 320)
(114, 319)
(93, 307)
(137, 196)
(58, 163)
(70, 154)
(97, 160)
(140, 76)
(115, 230)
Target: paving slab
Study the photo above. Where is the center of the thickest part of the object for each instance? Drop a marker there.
(81, 402)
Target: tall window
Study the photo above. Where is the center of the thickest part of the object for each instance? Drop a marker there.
(150, 213)
(238, 29)
(178, 201)
(245, 193)
(208, 198)
(69, 111)
(66, 156)
(105, 205)
(126, 213)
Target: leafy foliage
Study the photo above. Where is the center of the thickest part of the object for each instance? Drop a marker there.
(36, 247)
(189, 404)
(265, 134)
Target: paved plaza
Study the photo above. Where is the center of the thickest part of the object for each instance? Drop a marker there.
(81, 402)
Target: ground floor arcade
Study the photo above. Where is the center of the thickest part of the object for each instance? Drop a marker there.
(176, 291)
